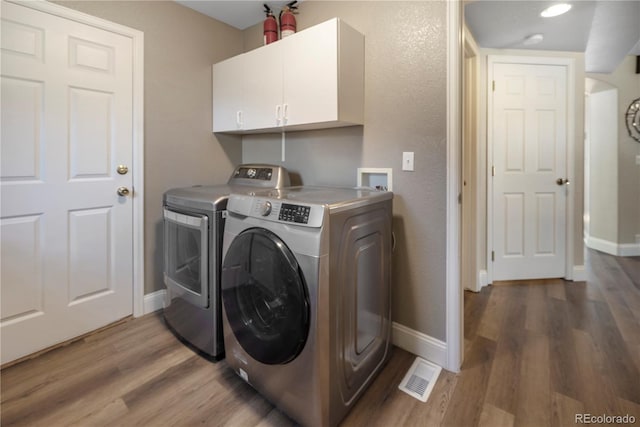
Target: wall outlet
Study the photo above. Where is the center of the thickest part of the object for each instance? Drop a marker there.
(407, 161)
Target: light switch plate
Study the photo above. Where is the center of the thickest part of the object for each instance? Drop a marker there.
(638, 159)
(407, 161)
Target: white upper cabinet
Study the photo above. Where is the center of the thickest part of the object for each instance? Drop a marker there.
(262, 83)
(313, 79)
(227, 92)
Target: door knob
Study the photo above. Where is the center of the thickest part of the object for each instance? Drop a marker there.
(122, 169)
(562, 181)
(123, 191)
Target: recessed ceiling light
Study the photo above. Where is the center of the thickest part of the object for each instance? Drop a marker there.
(555, 10)
(533, 39)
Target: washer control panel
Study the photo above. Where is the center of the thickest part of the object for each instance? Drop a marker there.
(270, 209)
(294, 213)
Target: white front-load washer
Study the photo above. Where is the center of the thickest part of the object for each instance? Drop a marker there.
(306, 296)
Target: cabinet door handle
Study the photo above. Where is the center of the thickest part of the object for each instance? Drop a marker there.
(285, 114)
(278, 113)
(239, 119)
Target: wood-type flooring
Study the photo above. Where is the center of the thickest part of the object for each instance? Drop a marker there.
(536, 354)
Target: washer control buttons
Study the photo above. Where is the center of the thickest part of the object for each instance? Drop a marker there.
(294, 213)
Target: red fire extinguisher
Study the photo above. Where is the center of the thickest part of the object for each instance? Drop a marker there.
(270, 26)
(288, 20)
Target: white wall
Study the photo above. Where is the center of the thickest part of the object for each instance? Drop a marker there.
(624, 241)
(603, 166)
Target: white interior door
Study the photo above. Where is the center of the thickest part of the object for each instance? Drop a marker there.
(66, 237)
(529, 136)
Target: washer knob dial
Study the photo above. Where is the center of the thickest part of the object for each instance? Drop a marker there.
(266, 209)
(251, 173)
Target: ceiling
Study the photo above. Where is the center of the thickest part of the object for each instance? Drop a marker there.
(241, 14)
(606, 31)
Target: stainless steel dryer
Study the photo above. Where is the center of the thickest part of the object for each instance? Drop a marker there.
(194, 219)
(306, 296)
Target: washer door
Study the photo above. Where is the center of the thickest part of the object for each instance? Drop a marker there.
(265, 297)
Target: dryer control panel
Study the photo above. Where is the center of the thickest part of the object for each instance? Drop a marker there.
(263, 174)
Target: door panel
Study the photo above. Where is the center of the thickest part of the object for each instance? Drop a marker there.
(89, 133)
(22, 286)
(21, 128)
(311, 56)
(228, 94)
(89, 250)
(262, 93)
(66, 235)
(529, 154)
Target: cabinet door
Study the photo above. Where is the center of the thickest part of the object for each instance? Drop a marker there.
(262, 106)
(310, 71)
(227, 94)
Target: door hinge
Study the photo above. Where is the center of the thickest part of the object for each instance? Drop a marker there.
(493, 256)
(493, 85)
(493, 171)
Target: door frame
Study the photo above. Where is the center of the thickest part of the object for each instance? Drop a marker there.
(137, 38)
(569, 65)
(454, 323)
(472, 207)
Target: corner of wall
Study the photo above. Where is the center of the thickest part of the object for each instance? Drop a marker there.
(612, 248)
(579, 273)
(483, 279)
(154, 301)
(420, 344)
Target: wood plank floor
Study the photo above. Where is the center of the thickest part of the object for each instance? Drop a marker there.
(536, 354)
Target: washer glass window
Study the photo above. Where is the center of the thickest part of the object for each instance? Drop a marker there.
(265, 297)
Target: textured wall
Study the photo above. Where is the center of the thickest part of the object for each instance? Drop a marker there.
(405, 110)
(180, 45)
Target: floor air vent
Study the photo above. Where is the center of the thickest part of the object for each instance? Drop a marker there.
(420, 379)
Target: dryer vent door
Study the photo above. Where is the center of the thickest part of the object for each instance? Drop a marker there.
(265, 297)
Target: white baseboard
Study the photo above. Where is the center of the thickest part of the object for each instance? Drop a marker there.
(154, 301)
(579, 273)
(483, 278)
(611, 248)
(480, 283)
(419, 344)
(629, 249)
